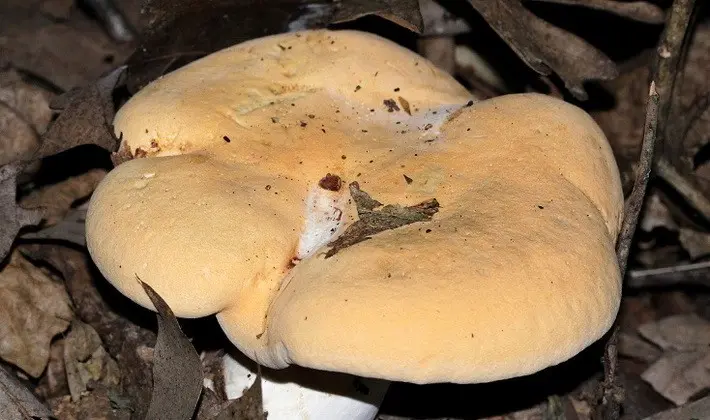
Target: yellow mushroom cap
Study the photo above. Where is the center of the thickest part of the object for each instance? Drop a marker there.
(230, 212)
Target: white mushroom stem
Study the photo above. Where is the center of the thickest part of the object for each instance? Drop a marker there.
(300, 393)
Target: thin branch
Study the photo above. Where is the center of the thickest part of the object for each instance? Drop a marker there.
(658, 106)
(695, 274)
(670, 51)
(666, 171)
(637, 10)
(635, 200)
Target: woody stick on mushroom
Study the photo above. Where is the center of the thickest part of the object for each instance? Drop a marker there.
(343, 205)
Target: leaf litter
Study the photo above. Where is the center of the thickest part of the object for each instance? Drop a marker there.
(88, 110)
(34, 308)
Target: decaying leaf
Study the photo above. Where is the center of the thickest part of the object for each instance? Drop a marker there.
(33, 309)
(86, 118)
(17, 402)
(683, 371)
(57, 199)
(87, 361)
(405, 13)
(544, 47)
(177, 370)
(696, 243)
(373, 221)
(12, 216)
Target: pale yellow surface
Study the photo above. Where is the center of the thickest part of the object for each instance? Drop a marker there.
(515, 273)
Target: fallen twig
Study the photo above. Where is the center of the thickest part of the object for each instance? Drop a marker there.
(696, 199)
(611, 391)
(635, 200)
(660, 95)
(696, 273)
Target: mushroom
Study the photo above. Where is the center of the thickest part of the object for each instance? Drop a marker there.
(244, 173)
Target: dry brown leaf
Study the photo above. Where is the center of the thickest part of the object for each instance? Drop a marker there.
(67, 53)
(684, 369)
(18, 140)
(12, 216)
(34, 308)
(686, 332)
(86, 360)
(57, 199)
(177, 370)
(17, 402)
(545, 47)
(121, 337)
(53, 382)
(30, 101)
(696, 243)
(633, 346)
(86, 117)
(679, 376)
(24, 112)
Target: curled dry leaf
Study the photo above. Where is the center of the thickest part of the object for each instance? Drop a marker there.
(683, 370)
(86, 117)
(12, 217)
(34, 308)
(544, 47)
(17, 402)
(57, 199)
(177, 369)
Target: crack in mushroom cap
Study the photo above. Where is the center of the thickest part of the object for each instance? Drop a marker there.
(516, 272)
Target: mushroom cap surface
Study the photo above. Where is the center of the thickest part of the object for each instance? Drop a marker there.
(227, 212)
